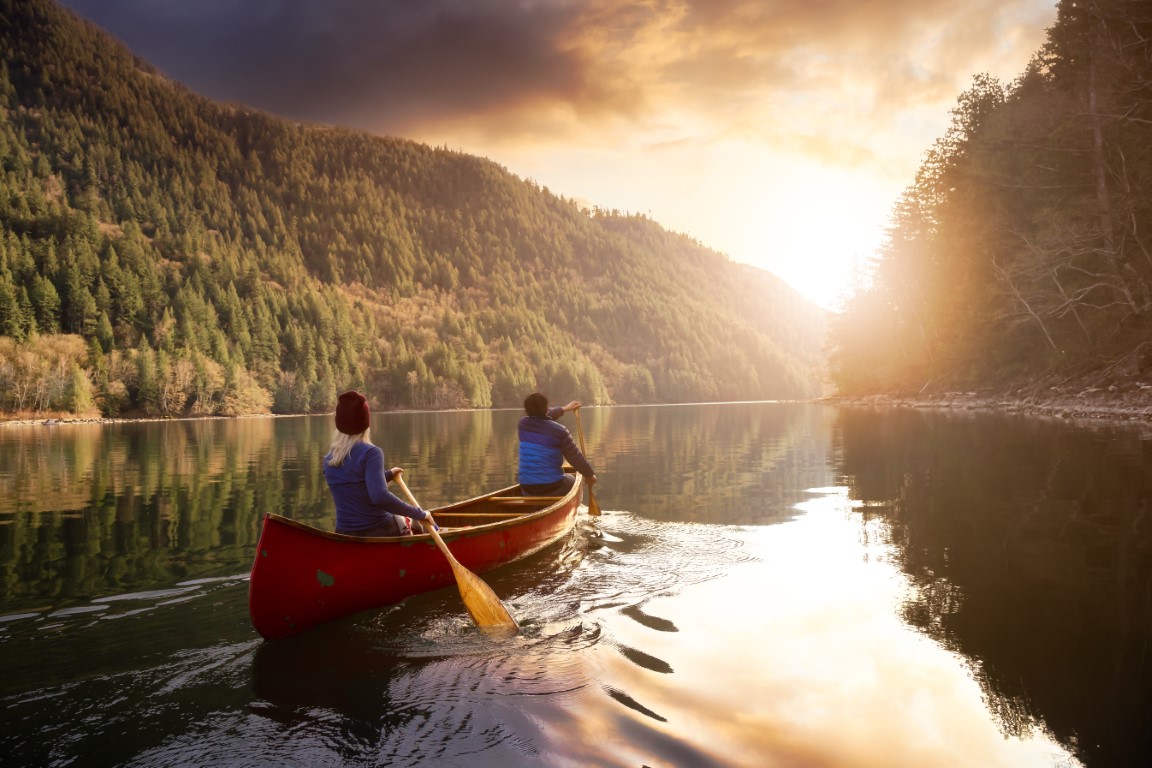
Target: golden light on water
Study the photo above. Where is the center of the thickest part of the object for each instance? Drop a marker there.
(797, 657)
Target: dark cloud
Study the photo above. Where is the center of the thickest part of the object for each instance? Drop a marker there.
(528, 69)
(378, 64)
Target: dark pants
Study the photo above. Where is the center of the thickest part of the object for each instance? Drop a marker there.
(396, 526)
(552, 489)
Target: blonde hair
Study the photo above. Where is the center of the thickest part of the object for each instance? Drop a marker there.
(341, 445)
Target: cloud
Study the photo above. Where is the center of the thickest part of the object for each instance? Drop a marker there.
(382, 65)
(544, 70)
(735, 121)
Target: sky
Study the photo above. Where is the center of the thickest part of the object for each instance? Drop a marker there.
(779, 132)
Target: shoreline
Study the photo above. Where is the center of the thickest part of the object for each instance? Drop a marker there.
(1132, 403)
(66, 419)
(54, 421)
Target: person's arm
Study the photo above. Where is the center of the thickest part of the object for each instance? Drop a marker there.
(376, 478)
(557, 411)
(574, 456)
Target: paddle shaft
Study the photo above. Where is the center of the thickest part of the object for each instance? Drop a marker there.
(593, 507)
(482, 603)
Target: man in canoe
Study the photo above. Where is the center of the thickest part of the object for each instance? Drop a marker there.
(544, 444)
(354, 470)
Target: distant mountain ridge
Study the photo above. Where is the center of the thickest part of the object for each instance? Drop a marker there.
(164, 254)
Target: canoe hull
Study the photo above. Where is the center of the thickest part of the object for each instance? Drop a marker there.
(303, 576)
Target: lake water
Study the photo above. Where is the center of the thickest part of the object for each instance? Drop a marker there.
(769, 585)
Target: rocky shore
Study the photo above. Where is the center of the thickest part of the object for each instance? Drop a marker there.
(1128, 401)
(57, 420)
(1114, 389)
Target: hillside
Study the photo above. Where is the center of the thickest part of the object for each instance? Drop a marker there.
(163, 254)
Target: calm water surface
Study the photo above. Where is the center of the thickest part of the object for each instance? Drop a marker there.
(769, 585)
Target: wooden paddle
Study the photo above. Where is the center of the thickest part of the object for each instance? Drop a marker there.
(486, 609)
(593, 507)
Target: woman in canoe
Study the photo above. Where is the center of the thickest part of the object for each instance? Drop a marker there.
(354, 470)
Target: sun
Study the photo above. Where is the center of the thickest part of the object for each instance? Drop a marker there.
(820, 256)
(816, 231)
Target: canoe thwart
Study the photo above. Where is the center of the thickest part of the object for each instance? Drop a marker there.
(532, 499)
(454, 515)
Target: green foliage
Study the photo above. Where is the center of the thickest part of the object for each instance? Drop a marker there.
(225, 261)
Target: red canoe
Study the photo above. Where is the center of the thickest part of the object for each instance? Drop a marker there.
(303, 576)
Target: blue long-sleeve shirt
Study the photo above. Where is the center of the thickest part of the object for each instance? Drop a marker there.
(360, 488)
(544, 444)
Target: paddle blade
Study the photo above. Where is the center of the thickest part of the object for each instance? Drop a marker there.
(593, 507)
(482, 603)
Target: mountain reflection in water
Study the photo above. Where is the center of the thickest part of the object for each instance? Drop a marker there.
(770, 584)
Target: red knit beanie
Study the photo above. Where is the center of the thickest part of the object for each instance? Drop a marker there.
(352, 413)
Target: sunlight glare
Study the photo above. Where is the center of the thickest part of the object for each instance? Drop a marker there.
(817, 667)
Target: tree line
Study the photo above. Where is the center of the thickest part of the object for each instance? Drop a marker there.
(1023, 247)
(177, 257)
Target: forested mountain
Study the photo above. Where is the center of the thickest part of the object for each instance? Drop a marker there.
(164, 254)
(1023, 249)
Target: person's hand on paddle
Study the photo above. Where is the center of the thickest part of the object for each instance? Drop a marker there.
(396, 472)
(590, 479)
(572, 406)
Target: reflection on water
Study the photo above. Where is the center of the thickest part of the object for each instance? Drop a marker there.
(817, 669)
(87, 510)
(1030, 547)
(770, 584)
(744, 464)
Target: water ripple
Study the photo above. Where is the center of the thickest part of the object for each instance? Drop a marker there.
(414, 683)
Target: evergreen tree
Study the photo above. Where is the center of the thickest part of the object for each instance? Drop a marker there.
(45, 303)
(230, 255)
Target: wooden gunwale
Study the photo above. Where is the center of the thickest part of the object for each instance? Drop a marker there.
(303, 576)
(448, 533)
